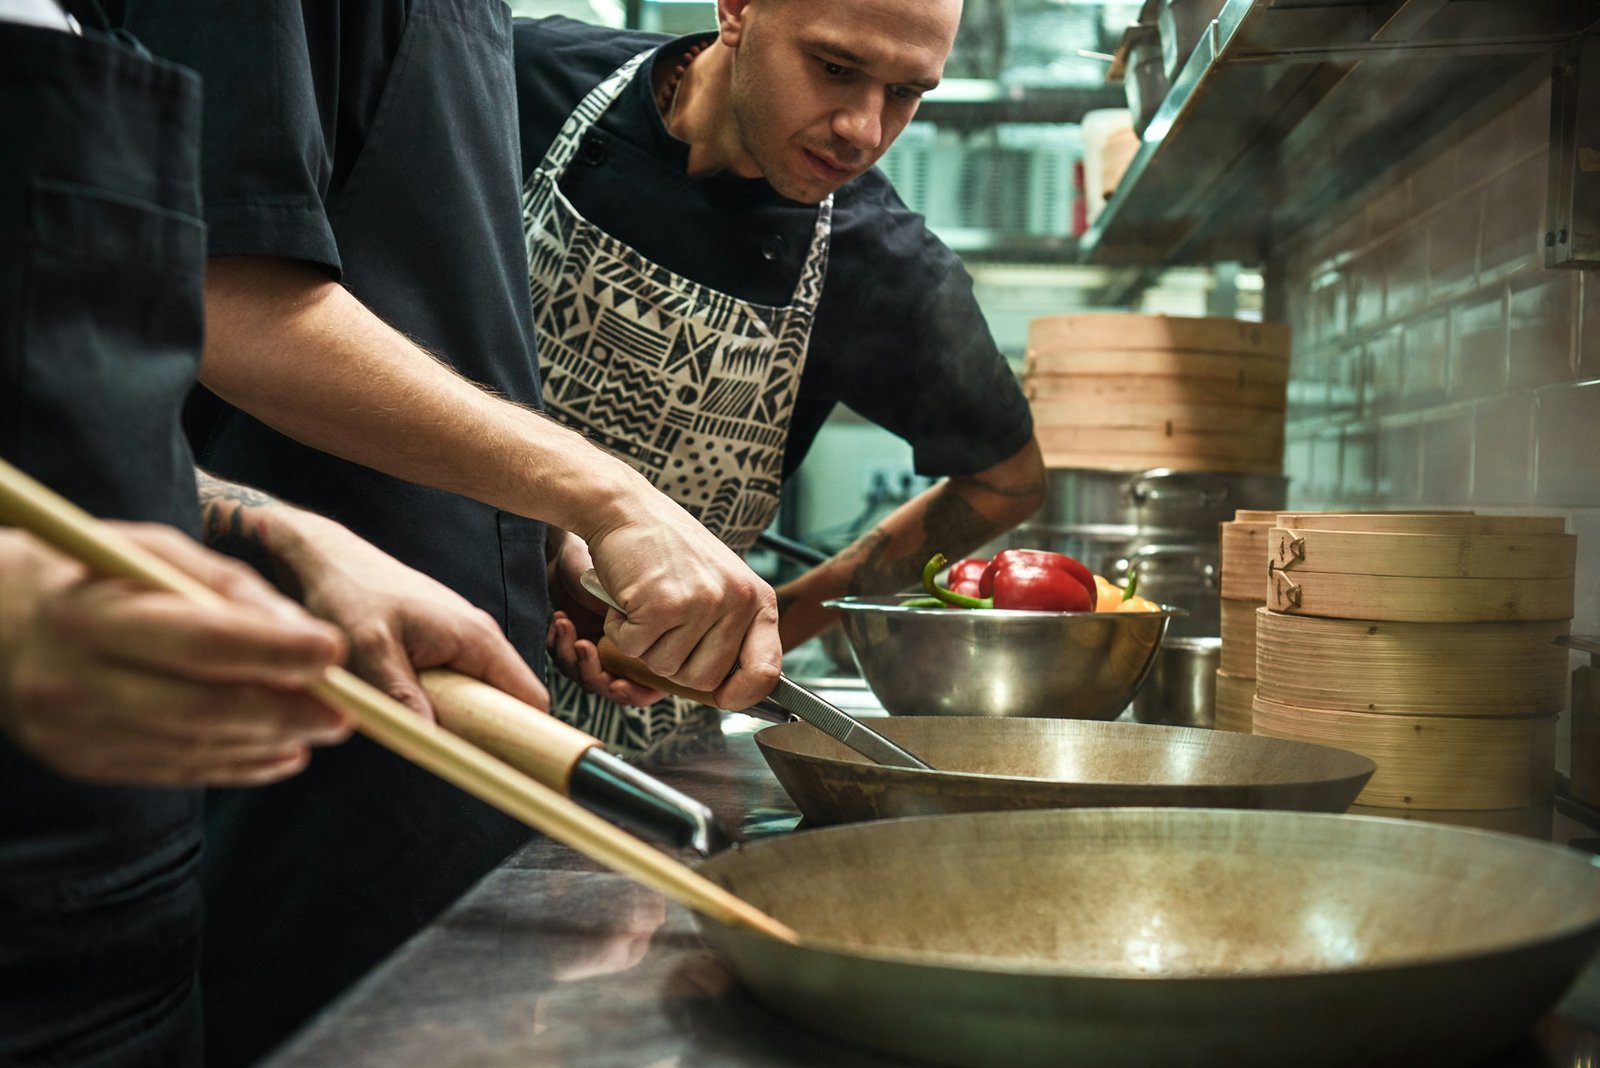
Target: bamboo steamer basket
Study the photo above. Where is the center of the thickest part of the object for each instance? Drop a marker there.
(1239, 638)
(1535, 821)
(1122, 391)
(1244, 556)
(1420, 669)
(1233, 699)
(1495, 574)
(1431, 762)
(1163, 445)
(1119, 330)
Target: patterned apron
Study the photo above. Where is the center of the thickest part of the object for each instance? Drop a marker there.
(690, 386)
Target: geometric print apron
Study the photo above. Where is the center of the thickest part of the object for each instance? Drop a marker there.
(691, 387)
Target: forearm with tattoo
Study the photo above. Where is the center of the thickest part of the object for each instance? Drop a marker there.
(230, 522)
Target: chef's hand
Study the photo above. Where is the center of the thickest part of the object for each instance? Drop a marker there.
(691, 608)
(398, 620)
(575, 626)
(108, 682)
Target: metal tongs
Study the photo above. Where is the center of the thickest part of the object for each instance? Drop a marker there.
(788, 701)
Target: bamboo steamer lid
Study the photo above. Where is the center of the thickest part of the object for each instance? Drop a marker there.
(1238, 628)
(1535, 821)
(1431, 762)
(1422, 669)
(1473, 555)
(1234, 694)
(1423, 522)
(1121, 330)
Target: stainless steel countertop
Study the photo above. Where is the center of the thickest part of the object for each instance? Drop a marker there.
(550, 961)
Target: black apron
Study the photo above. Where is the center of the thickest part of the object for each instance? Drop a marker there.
(312, 881)
(102, 257)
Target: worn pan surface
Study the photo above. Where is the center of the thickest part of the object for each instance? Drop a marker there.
(988, 765)
(1164, 937)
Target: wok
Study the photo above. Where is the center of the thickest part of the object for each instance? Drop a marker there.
(1163, 937)
(987, 765)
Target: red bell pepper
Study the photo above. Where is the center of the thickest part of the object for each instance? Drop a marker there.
(1023, 582)
(1011, 558)
(966, 575)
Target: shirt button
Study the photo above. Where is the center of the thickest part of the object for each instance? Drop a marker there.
(772, 246)
(594, 151)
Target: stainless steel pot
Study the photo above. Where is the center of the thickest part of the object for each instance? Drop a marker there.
(1159, 503)
(1181, 690)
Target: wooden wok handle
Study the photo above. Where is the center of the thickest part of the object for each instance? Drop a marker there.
(533, 742)
(633, 669)
(30, 506)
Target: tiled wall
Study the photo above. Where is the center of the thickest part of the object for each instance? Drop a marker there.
(1437, 362)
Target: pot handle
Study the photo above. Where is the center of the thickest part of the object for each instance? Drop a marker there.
(1203, 568)
(1148, 487)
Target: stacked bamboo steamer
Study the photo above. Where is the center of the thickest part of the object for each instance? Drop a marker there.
(1425, 642)
(1126, 392)
(1244, 589)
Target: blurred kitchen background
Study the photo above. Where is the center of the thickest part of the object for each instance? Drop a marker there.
(1409, 185)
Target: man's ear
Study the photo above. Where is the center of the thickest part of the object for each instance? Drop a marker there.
(731, 21)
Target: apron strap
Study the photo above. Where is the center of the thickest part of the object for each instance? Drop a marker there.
(588, 111)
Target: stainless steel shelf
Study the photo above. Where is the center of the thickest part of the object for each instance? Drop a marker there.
(1285, 109)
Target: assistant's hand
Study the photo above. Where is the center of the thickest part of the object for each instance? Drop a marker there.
(399, 621)
(691, 608)
(108, 682)
(575, 627)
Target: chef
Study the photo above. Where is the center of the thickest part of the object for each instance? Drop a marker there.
(715, 265)
(117, 703)
(366, 305)
(100, 692)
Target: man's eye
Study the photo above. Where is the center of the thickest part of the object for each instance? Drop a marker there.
(834, 70)
(906, 93)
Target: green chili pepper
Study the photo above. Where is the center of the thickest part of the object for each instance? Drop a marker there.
(949, 597)
(1133, 582)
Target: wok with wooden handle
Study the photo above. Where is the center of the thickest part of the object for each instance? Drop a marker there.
(30, 506)
(571, 762)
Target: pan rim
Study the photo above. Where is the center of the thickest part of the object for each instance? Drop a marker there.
(1024, 970)
(1356, 759)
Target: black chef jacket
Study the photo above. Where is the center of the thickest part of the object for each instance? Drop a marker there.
(898, 337)
(376, 140)
(101, 261)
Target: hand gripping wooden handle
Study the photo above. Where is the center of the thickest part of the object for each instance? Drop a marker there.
(533, 742)
(30, 506)
(633, 669)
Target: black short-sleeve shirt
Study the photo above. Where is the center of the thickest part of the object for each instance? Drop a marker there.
(898, 336)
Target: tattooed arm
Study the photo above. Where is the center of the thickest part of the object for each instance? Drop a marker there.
(398, 620)
(953, 517)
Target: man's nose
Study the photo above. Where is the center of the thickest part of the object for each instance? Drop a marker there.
(860, 121)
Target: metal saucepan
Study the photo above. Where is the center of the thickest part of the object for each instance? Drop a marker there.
(988, 765)
(1163, 937)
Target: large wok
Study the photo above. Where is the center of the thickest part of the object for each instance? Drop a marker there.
(987, 765)
(1163, 937)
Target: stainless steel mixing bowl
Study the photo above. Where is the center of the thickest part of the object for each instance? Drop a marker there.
(988, 662)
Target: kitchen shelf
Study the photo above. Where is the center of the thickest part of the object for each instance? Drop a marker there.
(973, 103)
(1284, 109)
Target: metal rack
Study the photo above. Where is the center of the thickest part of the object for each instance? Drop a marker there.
(1284, 109)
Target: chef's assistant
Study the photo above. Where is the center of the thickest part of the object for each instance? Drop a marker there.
(715, 265)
